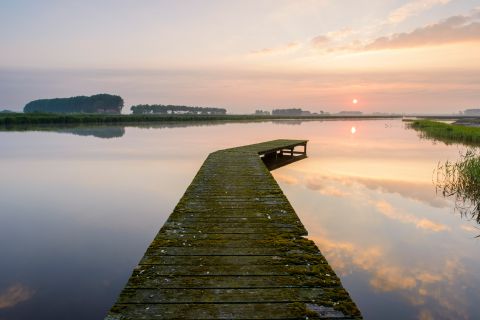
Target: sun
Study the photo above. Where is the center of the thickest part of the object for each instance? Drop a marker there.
(354, 101)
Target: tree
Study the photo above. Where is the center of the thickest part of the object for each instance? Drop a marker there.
(173, 109)
(99, 103)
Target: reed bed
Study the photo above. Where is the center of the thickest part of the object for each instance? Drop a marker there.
(447, 133)
(461, 180)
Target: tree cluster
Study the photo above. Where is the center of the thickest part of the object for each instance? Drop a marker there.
(171, 109)
(99, 103)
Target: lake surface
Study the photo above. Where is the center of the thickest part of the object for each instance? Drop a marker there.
(79, 206)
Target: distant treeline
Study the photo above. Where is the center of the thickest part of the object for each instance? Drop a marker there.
(99, 103)
(287, 112)
(171, 109)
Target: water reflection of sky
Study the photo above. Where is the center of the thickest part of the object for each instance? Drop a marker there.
(78, 213)
(368, 201)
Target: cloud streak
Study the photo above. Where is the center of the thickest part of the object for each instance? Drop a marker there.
(389, 211)
(276, 50)
(413, 8)
(15, 294)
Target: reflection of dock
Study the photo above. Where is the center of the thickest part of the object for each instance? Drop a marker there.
(233, 248)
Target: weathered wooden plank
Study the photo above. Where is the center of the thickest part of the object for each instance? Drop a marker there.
(280, 311)
(269, 223)
(215, 236)
(219, 229)
(285, 244)
(230, 295)
(212, 281)
(208, 260)
(153, 270)
(213, 251)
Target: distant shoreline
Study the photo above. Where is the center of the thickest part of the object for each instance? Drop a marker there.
(26, 119)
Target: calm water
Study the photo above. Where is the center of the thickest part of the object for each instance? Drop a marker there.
(78, 209)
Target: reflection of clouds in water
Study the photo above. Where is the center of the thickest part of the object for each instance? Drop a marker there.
(470, 228)
(311, 184)
(437, 289)
(325, 190)
(443, 283)
(423, 192)
(425, 315)
(389, 211)
(285, 178)
(413, 190)
(15, 294)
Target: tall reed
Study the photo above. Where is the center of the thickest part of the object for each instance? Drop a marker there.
(461, 180)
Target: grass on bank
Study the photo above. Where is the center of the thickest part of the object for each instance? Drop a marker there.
(448, 133)
(15, 119)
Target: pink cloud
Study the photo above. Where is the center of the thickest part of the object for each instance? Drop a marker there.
(452, 30)
(281, 49)
(15, 294)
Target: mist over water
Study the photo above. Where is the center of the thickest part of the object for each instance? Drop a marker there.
(79, 206)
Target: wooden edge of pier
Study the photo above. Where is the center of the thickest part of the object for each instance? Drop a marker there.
(234, 248)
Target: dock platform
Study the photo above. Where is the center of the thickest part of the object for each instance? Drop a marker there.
(234, 248)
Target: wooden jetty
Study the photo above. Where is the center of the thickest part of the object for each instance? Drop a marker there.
(234, 248)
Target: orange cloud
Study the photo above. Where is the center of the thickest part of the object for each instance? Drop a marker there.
(15, 294)
(452, 30)
(326, 190)
(320, 41)
(282, 49)
(389, 278)
(285, 178)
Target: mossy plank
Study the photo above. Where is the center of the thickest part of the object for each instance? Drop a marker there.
(284, 244)
(230, 295)
(233, 249)
(230, 225)
(229, 270)
(213, 251)
(216, 236)
(212, 281)
(222, 229)
(280, 311)
(208, 260)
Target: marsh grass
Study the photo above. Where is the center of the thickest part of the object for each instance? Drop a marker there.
(447, 133)
(461, 180)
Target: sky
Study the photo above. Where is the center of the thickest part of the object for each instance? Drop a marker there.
(392, 56)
